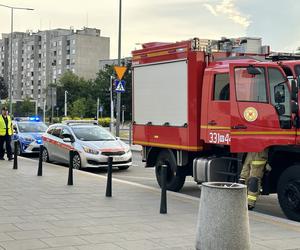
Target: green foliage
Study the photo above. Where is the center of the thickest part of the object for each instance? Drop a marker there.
(82, 95)
(78, 108)
(25, 108)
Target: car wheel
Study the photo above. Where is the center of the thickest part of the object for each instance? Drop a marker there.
(123, 167)
(45, 155)
(76, 161)
(175, 177)
(288, 190)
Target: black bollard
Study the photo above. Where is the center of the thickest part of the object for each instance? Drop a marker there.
(109, 176)
(70, 177)
(163, 183)
(15, 166)
(40, 168)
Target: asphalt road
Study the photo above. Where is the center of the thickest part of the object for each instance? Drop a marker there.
(146, 176)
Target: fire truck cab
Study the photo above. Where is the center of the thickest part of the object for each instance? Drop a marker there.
(199, 112)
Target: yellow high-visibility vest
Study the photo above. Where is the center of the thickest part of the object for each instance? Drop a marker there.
(3, 126)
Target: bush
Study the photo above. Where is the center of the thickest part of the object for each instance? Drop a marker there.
(104, 122)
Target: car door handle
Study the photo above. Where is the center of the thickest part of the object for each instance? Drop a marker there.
(212, 123)
(239, 126)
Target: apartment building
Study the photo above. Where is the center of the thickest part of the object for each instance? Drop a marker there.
(40, 59)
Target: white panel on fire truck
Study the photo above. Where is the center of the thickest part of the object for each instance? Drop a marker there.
(160, 93)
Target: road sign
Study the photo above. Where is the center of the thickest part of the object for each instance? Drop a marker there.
(120, 86)
(120, 71)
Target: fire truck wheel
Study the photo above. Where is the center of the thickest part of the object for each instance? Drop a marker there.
(175, 177)
(288, 190)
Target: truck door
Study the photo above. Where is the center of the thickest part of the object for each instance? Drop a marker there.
(260, 107)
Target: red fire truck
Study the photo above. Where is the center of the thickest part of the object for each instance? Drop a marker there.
(199, 110)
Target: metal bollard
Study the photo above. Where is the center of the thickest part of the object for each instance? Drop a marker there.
(40, 168)
(130, 134)
(163, 182)
(70, 177)
(15, 166)
(109, 176)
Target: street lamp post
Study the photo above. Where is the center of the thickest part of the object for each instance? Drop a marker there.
(119, 63)
(66, 106)
(11, 42)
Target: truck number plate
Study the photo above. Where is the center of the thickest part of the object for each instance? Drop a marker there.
(219, 138)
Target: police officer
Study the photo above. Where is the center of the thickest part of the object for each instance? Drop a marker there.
(6, 132)
(252, 173)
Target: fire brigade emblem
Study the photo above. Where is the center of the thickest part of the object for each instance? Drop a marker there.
(250, 114)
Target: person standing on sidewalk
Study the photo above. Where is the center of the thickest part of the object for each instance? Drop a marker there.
(252, 173)
(6, 132)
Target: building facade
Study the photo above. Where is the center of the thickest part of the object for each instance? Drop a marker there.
(40, 59)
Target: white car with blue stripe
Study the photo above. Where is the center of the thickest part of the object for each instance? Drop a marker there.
(28, 133)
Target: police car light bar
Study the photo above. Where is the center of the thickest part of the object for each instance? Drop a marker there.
(31, 119)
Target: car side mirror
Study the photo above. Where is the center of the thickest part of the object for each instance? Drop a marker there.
(67, 140)
(15, 130)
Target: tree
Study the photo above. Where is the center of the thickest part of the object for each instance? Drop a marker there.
(3, 89)
(78, 108)
(25, 108)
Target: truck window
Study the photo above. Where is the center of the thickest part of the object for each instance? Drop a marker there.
(275, 78)
(221, 87)
(297, 70)
(250, 88)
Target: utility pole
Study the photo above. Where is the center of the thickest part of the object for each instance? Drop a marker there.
(119, 63)
(11, 53)
(97, 114)
(111, 104)
(66, 107)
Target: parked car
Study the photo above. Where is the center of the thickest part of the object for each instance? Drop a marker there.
(28, 132)
(92, 144)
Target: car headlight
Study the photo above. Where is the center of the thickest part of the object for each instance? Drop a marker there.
(28, 139)
(90, 151)
(127, 150)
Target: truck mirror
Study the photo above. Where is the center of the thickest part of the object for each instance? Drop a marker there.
(252, 70)
(294, 93)
(280, 109)
(279, 91)
(294, 107)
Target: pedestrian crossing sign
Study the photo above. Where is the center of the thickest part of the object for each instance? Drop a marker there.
(120, 86)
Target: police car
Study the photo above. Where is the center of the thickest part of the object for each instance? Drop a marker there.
(92, 144)
(28, 132)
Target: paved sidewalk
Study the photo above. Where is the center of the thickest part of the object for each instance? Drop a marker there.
(45, 213)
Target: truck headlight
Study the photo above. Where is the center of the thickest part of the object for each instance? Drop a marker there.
(90, 151)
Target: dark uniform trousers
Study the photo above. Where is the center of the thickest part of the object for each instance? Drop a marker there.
(7, 139)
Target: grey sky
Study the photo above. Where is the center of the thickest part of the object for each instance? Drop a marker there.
(169, 20)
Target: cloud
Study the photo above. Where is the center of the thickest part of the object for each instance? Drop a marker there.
(228, 8)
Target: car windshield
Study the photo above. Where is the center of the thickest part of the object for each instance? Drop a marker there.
(32, 127)
(92, 133)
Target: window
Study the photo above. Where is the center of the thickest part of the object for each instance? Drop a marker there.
(66, 133)
(250, 88)
(73, 51)
(297, 70)
(221, 87)
(56, 131)
(276, 78)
